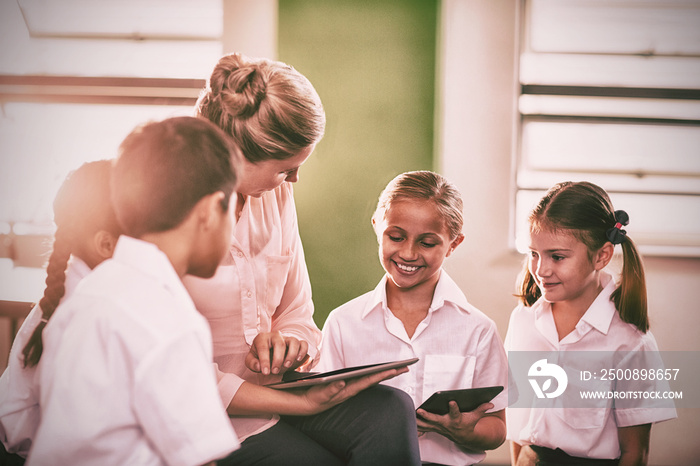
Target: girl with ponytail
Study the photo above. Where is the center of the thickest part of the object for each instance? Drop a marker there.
(86, 233)
(568, 302)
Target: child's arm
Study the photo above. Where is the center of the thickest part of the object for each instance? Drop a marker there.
(634, 444)
(251, 399)
(475, 429)
(514, 452)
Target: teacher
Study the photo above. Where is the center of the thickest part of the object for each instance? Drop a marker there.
(259, 304)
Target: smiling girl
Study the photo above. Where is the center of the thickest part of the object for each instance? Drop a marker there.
(570, 303)
(417, 310)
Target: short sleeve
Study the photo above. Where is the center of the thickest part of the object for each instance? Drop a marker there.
(643, 402)
(177, 403)
(492, 366)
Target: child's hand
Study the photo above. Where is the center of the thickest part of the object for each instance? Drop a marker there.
(458, 427)
(273, 353)
(251, 399)
(322, 397)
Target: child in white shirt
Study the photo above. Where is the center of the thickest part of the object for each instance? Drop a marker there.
(417, 310)
(569, 303)
(86, 233)
(126, 374)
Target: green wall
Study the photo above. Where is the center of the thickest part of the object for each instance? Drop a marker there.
(373, 64)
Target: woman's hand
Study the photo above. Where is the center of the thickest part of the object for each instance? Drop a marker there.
(273, 353)
(474, 429)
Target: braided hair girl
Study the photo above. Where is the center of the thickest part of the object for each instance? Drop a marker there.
(86, 228)
(86, 233)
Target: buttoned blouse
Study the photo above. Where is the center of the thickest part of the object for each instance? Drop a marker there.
(583, 432)
(458, 347)
(262, 285)
(19, 391)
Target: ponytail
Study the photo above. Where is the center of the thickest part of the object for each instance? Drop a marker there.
(630, 297)
(527, 290)
(54, 291)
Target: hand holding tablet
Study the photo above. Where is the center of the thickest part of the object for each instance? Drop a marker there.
(467, 399)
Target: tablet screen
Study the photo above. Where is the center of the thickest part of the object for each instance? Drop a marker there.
(467, 399)
(301, 380)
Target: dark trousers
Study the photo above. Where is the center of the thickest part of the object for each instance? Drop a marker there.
(9, 459)
(549, 457)
(377, 427)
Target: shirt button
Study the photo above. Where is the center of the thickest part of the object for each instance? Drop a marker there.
(249, 294)
(239, 254)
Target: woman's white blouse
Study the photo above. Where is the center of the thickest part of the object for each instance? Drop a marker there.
(262, 285)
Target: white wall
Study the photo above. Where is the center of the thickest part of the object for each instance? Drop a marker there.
(250, 27)
(476, 131)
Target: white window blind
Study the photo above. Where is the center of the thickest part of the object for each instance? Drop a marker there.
(610, 93)
(76, 77)
(80, 75)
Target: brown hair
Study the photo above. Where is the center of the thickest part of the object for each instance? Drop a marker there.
(81, 208)
(585, 210)
(429, 186)
(164, 168)
(270, 109)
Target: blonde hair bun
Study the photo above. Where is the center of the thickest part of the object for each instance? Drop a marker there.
(240, 85)
(270, 109)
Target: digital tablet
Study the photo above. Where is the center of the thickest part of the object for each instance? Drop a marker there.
(306, 380)
(467, 399)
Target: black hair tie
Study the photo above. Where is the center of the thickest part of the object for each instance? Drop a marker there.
(616, 234)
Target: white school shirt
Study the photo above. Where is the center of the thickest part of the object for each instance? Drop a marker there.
(262, 285)
(582, 432)
(458, 347)
(19, 390)
(126, 374)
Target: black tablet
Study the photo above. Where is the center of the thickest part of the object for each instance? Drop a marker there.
(301, 380)
(467, 399)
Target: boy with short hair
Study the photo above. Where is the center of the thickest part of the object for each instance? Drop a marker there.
(126, 376)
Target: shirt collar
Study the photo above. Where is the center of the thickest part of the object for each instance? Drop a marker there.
(446, 290)
(601, 312)
(150, 260)
(377, 298)
(77, 267)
